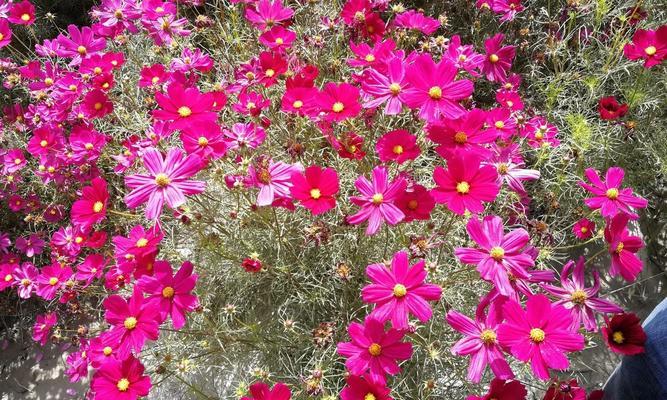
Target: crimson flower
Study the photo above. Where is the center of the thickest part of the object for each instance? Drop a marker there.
(91, 208)
(503, 390)
(120, 380)
(316, 188)
(262, 391)
(610, 109)
(624, 334)
(648, 45)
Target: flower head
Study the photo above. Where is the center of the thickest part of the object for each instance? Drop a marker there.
(121, 380)
(398, 145)
(377, 200)
(316, 188)
(648, 45)
(262, 391)
(610, 109)
(624, 334)
(608, 196)
(623, 248)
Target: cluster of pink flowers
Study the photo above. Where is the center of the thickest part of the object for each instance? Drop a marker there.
(481, 150)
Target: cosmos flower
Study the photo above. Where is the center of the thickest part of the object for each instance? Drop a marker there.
(584, 229)
(22, 13)
(398, 146)
(624, 334)
(498, 59)
(503, 390)
(387, 88)
(464, 134)
(623, 248)
(183, 106)
(399, 291)
(610, 109)
(91, 207)
(339, 101)
(565, 391)
(416, 203)
(608, 196)
(267, 13)
(41, 331)
(648, 45)
(204, 139)
(31, 245)
(132, 321)
(415, 20)
(121, 380)
(51, 279)
(273, 178)
(362, 388)
(377, 200)
(316, 188)
(262, 391)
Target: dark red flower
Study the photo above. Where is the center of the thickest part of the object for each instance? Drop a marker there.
(596, 395)
(251, 264)
(610, 109)
(565, 391)
(624, 334)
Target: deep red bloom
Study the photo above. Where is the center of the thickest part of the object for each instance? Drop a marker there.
(416, 203)
(565, 391)
(610, 109)
(398, 145)
(624, 334)
(503, 390)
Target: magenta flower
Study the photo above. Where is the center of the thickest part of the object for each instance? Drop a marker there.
(41, 331)
(274, 180)
(434, 90)
(623, 248)
(51, 279)
(648, 45)
(339, 101)
(498, 59)
(399, 146)
(499, 256)
(120, 380)
(5, 33)
(262, 391)
(373, 350)
(464, 57)
(267, 13)
(510, 166)
(170, 293)
(481, 340)
(7, 276)
(133, 321)
(362, 388)
(25, 277)
(91, 208)
(277, 38)
(464, 134)
(416, 203)
(204, 138)
(609, 198)
(580, 300)
(386, 87)
(415, 20)
(316, 188)
(80, 44)
(22, 13)
(504, 390)
(540, 133)
(399, 291)
(183, 106)
(244, 136)
(541, 334)
(584, 228)
(464, 185)
(86, 144)
(31, 245)
(91, 268)
(167, 181)
(377, 200)
(509, 8)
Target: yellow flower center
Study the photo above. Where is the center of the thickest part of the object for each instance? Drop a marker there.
(98, 106)
(488, 336)
(48, 82)
(43, 143)
(25, 17)
(81, 50)
(578, 297)
(460, 137)
(297, 104)
(497, 253)
(378, 198)
(2, 36)
(462, 57)
(537, 335)
(88, 146)
(583, 229)
(618, 337)
(53, 281)
(279, 41)
(612, 194)
(130, 323)
(270, 72)
(8, 277)
(107, 351)
(123, 385)
(142, 242)
(26, 282)
(400, 290)
(162, 180)
(78, 239)
(17, 161)
(251, 105)
(72, 88)
(184, 111)
(359, 16)
(499, 124)
(370, 396)
(502, 168)
(168, 292)
(118, 14)
(202, 142)
(435, 93)
(650, 50)
(338, 107)
(463, 187)
(494, 58)
(619, 247)
(398, 149)
(155, 80)
(315, 193)
(395, 88)
(97, 70)
(375, 349)
(370, 58)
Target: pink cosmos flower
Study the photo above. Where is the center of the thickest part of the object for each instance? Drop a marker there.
(183, 106)
(464, 134)
(22, 13)
(510, 166)
(480, 341)
(503, 390)
(582, 301)
(91, 208)
(464, 185)
(141, 243)
(386, 87)
(501, 123)
(5, 33)
(399, 291)
(273, 178)
(277, 38)
(540, 133)
(267, 13)
(316, 188)
(609, 198)
(243, 136)
(14, 160)
(7, 276)
(31, 245)
(339, 101)
(412, 19)
(377, 200)
(25, 277)
(204, 138)
(376, 56)
(648, 45)
(434, 90)
(355, 11)
(133, 321)
(155, 74)
(170, 293)
(373, 350)
(96, 104)
(45, 141)
(251, 103)
(262, 391)
(86, 144)
(51, 279)
(500, 255)
(167, 181)
(120, 380)
(623, 248)
(41, 331)
(498, 59)
(300, 101)
(541, 334)
(91, 268)
(362, 388)
(398, 146)
(584, 228)
(509, 8)
(79, 44)
(416, 203)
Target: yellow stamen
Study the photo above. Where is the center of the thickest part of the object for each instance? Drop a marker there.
(202, 142)
(184, 111)
(398, 149)
(650, 50)
(168, 292)
(463, 187)
(130, 323)
(297, 104)
(370, 58)
(497, 253)
(107, 351)
(338, 107)
(537, 335)
(162, 180)
(494, 58)
(578, 297)
(460, 137)
(378, 198)
(612, 194)
(395, 88)
(499, 124)
(488, 336)
(142, 242)
(315, 193)
(435, 93)
(123, 385)
(81, 50)
(400, 290)
(375, 349)
(53, 281)
(618, 337)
